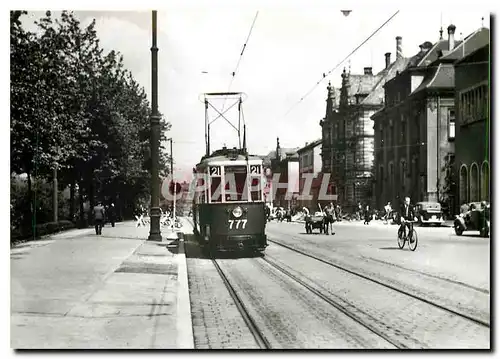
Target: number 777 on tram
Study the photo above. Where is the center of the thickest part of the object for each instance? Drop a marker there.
(229, 210)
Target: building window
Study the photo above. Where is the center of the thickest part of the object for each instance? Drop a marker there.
(403, 131)
(451, 124)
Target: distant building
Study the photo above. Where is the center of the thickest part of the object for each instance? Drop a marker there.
(415, 131)
(348, 134)
(472, 129)
(286, 164)
(310, 162)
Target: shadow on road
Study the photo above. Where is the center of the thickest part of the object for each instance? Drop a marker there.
(390, 248)
(194, 250)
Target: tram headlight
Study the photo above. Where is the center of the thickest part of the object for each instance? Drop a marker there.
(237, 212)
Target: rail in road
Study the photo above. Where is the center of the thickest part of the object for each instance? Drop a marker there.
(473, 319)
(252, 326)
(258, 335)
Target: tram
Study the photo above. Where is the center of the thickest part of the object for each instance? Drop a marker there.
(228, 205)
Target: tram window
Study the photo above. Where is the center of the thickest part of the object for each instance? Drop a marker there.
(235, 177)
(256, 193)
(215, 189)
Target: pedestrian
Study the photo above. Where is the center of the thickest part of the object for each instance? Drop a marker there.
(330, 217)
(99, 216)
(111, 214)
(367, 215)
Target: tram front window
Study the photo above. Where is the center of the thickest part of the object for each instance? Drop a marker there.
(215, 190)
(235, 177)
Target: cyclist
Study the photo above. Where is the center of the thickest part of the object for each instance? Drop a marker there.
(407, 214)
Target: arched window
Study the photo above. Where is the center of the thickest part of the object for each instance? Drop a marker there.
(474, 183)
(464, 184)
(485, 181)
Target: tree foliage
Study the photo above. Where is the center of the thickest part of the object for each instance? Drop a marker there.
(76, 107)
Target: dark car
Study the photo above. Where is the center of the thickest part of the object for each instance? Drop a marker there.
(316, 221)
(477, 218)
(429, 213)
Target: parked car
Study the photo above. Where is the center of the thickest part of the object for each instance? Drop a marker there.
(429, 213)
(476, 219)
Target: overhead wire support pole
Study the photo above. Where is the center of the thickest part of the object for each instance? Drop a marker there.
(155, 212)
(341, 62)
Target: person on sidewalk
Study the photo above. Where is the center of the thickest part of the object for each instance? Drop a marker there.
(111, 214)
(99, 215)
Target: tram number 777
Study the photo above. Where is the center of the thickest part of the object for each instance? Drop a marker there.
(237, 224)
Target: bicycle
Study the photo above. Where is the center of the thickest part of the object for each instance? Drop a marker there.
(402, 239)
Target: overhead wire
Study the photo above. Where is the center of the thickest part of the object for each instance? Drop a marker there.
(340, 63)
(233, 74)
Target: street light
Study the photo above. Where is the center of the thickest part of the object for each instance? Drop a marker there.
(155, 213)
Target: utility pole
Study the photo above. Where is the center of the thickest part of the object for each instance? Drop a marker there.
(155, 213)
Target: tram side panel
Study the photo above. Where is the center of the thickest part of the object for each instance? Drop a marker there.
(233, 225)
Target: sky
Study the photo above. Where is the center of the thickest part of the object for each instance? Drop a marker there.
(287, 53)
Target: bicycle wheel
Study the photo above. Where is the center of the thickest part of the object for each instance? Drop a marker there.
(413, 245)
(401, 240)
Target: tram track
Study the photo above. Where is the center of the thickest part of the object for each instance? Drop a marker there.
(470, 318)
(252, 326)
(398, 344)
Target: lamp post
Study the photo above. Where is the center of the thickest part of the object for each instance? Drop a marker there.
(155, 213)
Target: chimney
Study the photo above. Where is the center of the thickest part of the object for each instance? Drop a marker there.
(368, 71)
(399, 47)
(451, 37)
(387, 59)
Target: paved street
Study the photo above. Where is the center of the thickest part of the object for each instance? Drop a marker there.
(374, 296)
(354, 289)
(82, 291)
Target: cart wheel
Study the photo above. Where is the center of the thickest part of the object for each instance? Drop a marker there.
(458, 230)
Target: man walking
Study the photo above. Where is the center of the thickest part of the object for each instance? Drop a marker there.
(330, 218)
(98, 213)
(111, 214)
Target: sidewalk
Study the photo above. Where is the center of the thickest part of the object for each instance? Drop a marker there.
(115, 291)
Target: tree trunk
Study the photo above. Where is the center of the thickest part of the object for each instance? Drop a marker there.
(72, 199)
(29, 219)
(80, 204)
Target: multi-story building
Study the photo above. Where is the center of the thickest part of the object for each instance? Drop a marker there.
(285, 164)
(348, 135)
(414, 132)
(310, 163)
(472, 135)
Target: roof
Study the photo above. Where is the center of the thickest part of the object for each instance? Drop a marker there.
(485, 49)
(376, 97)
(441, 77)
(471, 43)
(361, 84)
(433, 54)
(310, 145)
(208, 160)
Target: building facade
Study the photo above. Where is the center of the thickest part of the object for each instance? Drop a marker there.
(310, 163)
(415, 131)
(472, 135)
(348, 131)
(285, 164)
